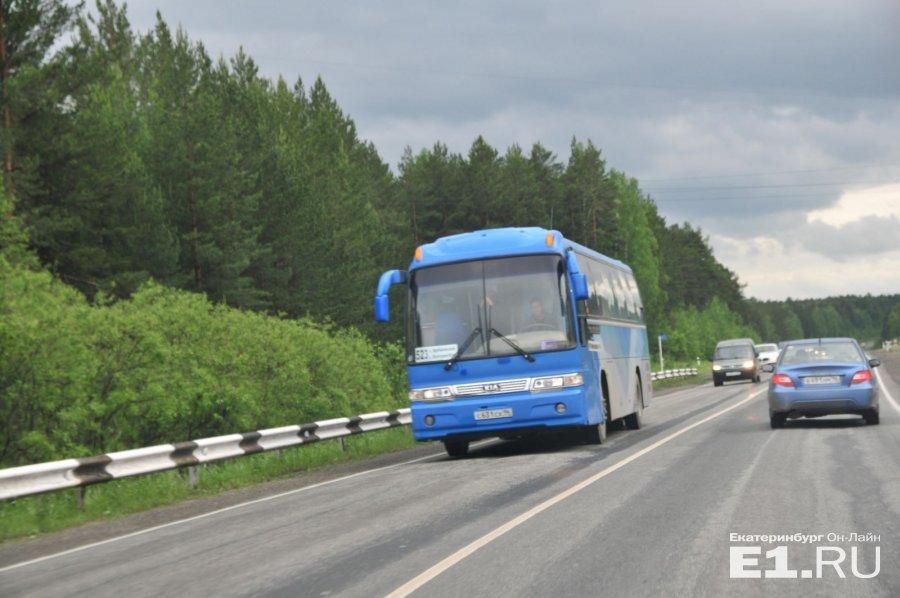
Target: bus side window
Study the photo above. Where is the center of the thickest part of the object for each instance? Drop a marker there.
(636, 294)
(596, 291)
(604, 290)
(630, 307)
(615, 297)
(585, 267)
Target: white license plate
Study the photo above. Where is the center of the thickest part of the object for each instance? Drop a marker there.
(822, 380)
(732, 373)
(493, 413)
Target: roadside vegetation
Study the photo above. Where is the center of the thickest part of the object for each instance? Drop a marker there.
(165, 365)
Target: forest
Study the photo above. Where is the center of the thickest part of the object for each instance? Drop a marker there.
(170, 214)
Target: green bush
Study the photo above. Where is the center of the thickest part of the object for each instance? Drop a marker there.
(165, 366)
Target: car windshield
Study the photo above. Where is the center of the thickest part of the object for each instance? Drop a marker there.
(843, 352)
(734, 352)
(523, 299)
(766, 348)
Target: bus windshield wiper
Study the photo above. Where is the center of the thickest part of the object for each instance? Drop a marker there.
(465, 346)
(515, 347)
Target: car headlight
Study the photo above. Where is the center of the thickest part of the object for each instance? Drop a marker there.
(716, 368)
(554, 382)
(431, 394)
(747, 365)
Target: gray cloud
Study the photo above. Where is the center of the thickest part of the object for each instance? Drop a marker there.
(870, 235)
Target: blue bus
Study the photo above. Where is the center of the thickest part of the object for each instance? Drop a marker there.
(513, 331)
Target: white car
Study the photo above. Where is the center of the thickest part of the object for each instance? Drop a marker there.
(768, 353)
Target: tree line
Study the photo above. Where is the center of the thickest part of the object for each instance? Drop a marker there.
(868, 318)
(137, 156)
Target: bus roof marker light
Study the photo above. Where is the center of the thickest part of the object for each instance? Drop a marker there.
(419, 253)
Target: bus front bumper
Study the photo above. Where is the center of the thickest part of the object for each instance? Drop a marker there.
(498, 415)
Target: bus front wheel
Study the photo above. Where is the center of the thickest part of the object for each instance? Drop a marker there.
(457, 448)
(596, 434)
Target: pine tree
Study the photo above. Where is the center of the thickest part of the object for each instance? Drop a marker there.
(110, 231)
(28, 31)
(103, 226)
(477, 205)
(546, 172)
(517, 191)
(431, 184)
(588, 209)
(211, 197)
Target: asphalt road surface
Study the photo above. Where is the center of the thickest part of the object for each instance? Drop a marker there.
(649, 513)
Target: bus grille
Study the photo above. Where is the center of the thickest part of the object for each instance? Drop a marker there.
(490, 388)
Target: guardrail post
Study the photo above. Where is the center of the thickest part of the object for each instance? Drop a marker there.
(193, 476)
(343, 446)
(80, 495)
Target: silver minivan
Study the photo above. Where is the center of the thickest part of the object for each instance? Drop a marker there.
(735, 359)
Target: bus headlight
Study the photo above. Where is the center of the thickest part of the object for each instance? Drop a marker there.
(747, 365)
(554, 382)
(431, 394)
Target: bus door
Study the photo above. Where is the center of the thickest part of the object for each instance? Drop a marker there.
(603, 343)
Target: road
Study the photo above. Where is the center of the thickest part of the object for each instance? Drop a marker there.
(648, 513)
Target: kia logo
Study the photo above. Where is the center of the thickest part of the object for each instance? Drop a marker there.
(490, 387)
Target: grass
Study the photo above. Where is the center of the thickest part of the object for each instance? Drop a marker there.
(55, 511)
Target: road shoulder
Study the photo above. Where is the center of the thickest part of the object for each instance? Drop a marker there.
(24, 549)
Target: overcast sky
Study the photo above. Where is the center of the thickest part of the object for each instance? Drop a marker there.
(773, 125)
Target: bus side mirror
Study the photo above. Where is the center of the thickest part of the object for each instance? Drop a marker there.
(579, 286)
(579, 280)
(382, 305)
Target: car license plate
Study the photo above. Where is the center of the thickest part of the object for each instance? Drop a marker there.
(493, 413)
(821, 380)
(732, 373)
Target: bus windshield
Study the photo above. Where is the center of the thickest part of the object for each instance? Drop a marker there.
(470, 307)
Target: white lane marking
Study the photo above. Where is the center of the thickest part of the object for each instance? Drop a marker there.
(887, 393)
(223, 510)
(429, 574)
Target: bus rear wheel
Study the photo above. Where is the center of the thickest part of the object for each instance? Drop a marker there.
(634, 420)
(457, 448)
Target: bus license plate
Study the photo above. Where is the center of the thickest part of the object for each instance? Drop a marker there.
(493, 413)
(822, 380)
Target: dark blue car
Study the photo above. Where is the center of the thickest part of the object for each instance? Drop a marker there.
(825, 376)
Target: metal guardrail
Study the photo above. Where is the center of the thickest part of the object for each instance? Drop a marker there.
(668, 374)
(71, 473)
